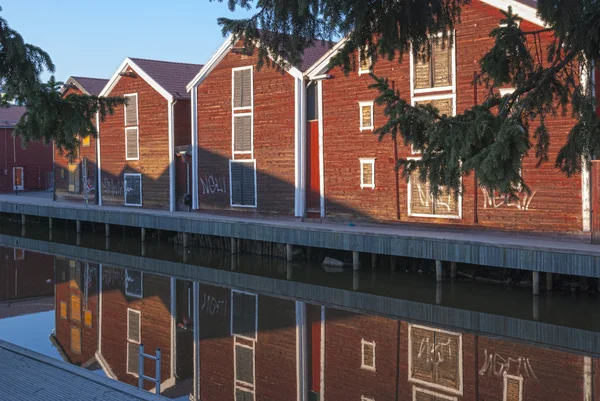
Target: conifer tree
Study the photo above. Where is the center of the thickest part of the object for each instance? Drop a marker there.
(490, 139)
(49, 116)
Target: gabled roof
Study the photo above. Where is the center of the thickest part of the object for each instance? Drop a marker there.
(166, 77)
(526, 9)
(88, 86)
(310, 55)
(10, 116)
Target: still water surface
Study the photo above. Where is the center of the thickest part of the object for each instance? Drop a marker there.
(268, 330)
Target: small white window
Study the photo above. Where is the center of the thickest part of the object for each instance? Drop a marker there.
(368, 355)
(513, 388)
(244, 315)
(133, 189)
(363, 398)
(506, 91)
(242, 90)
(132, 143)
(420, 394)
(365, 63)
(134, 283)
(242, 183)
(367, 173)
(19, 254)
(366, 115)
(131, 110)
(134, 338)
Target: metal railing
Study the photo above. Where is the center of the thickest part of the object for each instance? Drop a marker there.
(143, 377)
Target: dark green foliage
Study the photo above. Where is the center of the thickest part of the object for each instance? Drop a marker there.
(49, 117)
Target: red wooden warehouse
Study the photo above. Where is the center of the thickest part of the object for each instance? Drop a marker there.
(138, 143)
(22, 169)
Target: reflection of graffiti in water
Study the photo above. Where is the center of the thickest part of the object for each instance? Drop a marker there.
(112, 187)
(88, 185)
(495, 200)
(214, 307)
(211, 185)
(497, 365)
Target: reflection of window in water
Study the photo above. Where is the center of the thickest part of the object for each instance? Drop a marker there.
(133, 283)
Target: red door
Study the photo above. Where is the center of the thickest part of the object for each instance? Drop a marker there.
(313, 185)
(314, 347)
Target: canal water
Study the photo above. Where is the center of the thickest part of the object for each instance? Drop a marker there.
(246, 327)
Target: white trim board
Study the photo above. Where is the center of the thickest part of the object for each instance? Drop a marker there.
(122, 68)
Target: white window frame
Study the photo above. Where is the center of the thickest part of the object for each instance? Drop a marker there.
(131, 341)
(249, 387)
(137, 130)
(364, 161)
(421, 390)
(130, 294)
(16, 255)
(251, 68)
(417, 99)
(22, 186)
(460, 361)
(519, 378)
(255, 184)
(505, 91)
(416, 92)
(139, 313)
(360, 70)
(433, 216)
(233, 117)
(363, 398)
(373, 368)
(137, 110)
(360, 107)
(255, 317)
(141, 189)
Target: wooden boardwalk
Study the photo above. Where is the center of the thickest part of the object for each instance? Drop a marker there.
(29, 376)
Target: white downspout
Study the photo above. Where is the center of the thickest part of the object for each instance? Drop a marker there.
(194, 114)
(171, 113)
(299, 146)
(98, 161)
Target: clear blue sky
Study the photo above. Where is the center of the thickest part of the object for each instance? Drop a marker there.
(92, 38)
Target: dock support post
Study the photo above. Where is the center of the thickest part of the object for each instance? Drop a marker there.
(78, 239)
(355, 281)
(289, 272)
(50, 223)
(536, 308)
(143, 249)
(233, 245)
(453, 269)
(373, 260)
(438, 294)
(289, 250)
(393, 263)
(107, 230)
(143, 234)
(355, 261)
(549, 281)
(23, 219)
(438, 270)
(78, 226)
(536, 283)
(186, 240)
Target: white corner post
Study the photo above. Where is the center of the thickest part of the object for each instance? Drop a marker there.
(194, 113)
(171, 114)
(299, 145)
(98, 161)
(301, 352)
(196, 290)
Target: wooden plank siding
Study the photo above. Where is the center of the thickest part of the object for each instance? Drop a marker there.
(153, 163)
(274, 133)
(61, 166)
(554, 205)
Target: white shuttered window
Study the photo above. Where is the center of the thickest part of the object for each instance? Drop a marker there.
(242, 176)
(242, 88)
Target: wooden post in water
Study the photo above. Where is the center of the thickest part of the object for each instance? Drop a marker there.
(549, 281)
(373, 260)
(393, 263)
(107, 230)
(186, 240)
(23, 219)
(536, 283)
(143, 234)
(355, 261)
(438, 270)
(78, 226)
(233, 245)
(289, 250)
(50, 223)
(453, 269)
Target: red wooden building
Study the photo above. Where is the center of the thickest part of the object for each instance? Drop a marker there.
(76, 178)
(22, 169)
(248, 130)
(138, 143)
(355, 177)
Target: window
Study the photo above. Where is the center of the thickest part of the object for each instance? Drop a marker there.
(63, 310)
(242, 178)
(132, 142)
(19, 254)
(74, 275)
(76, 340)
(444, 104)
(363, 398)
(244, 311)
(421, 202)
(75, 308)
(244, 322)
(134, 338)
(74, 178)
(242, 88)
(131, 110)
(312, 102)
(364, 62)
(513, 388)
(367, 173)
(435, 358)
(368, 355)
(421, 394)
(133, 189)
(244, 364)
(506, 91)
(433, 69)
(88, 319)
(366, 115)
(242, 133)
(86, 141)
(134, 285)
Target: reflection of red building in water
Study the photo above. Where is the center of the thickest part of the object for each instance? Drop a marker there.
(22, 169)
(24, 274)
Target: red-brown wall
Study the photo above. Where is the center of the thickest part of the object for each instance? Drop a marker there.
(274, 133)
(153, 161)
(556, 201)
(37, 160)
(61, 167)
(25, 274)
(155, 308)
